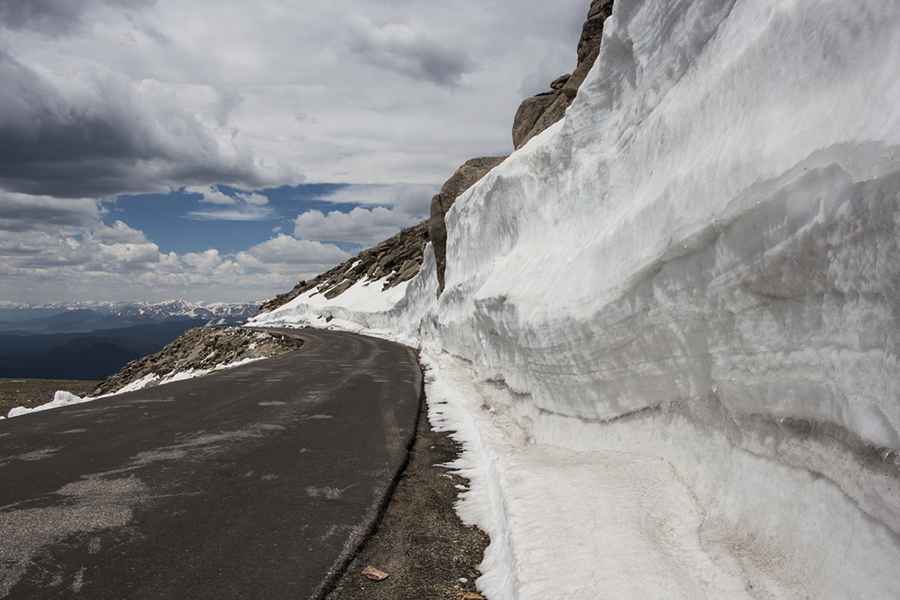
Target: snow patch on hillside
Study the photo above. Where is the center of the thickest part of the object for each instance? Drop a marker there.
(60, 399)
(669, 335)
(364, 296)
(63, 398)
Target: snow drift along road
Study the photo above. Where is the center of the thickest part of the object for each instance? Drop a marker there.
(681, 308)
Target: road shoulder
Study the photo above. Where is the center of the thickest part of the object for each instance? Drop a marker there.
(420, 541)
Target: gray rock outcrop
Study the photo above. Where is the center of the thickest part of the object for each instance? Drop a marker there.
(539, 112)
(465, 177)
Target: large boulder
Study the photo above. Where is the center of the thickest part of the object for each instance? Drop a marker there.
(528, 114)
(465, 177)
(543, 110)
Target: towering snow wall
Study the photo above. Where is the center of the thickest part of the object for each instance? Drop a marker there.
(690, 289)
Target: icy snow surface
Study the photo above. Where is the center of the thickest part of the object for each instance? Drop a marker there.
(669, 334)
(60, 399)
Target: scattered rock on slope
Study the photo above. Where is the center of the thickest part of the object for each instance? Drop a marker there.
(394, 260)
(399, 258)
(543, 110)
(199, 349)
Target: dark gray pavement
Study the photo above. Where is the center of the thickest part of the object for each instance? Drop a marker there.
(256, 482)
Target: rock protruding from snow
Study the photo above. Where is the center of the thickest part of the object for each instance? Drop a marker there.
(465, 177)
(539, 112)
(200, 349)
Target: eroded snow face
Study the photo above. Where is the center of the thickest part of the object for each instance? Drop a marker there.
(681, 305)
(656, 505)
(701, 266)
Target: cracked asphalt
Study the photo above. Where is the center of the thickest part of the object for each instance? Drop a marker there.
(255, 482)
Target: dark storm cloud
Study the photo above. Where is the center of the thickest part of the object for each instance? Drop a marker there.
(54, 16)
(98, 138)
(404, 50)
(26, 213)
(141, 95)
(100, 97)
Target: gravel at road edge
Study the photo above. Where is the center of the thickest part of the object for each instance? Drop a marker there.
(420, 542)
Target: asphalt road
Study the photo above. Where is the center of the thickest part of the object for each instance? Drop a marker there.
(256, 482)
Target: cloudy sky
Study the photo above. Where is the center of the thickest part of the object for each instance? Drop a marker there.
(222, 149)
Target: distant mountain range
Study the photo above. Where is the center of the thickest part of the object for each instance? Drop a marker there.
(93, 340)
(94, 316)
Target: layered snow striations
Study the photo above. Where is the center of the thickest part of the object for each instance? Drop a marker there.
(669, 333)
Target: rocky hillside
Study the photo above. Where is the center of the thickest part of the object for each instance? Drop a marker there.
(200, 349)
(393, 261)
(398, 259)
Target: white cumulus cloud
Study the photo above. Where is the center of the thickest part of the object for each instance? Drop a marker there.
(364, 226)
(238, 206)
(56, 250)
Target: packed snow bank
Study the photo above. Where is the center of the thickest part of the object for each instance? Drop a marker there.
(669, 331)
(63, 398)
(648, 508)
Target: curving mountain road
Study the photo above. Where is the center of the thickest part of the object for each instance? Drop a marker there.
(256, 482)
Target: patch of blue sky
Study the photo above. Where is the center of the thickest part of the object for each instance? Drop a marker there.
(171, 220)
